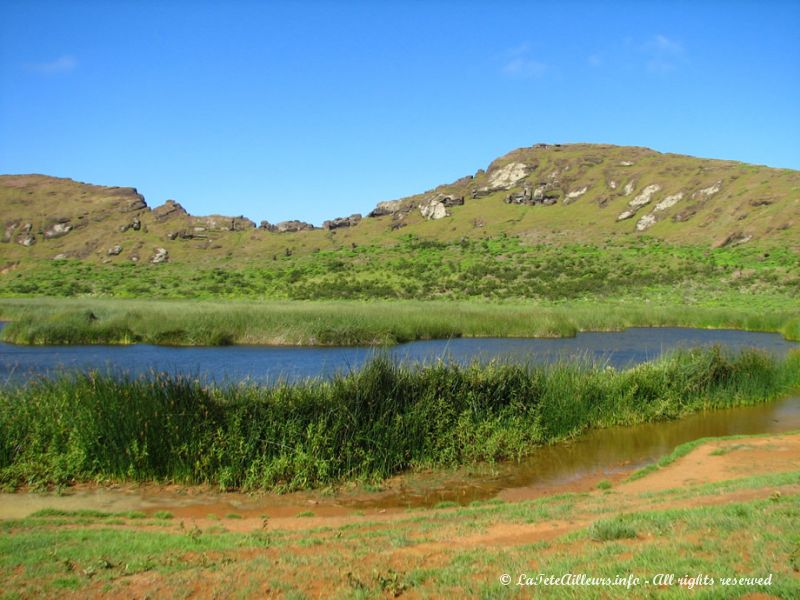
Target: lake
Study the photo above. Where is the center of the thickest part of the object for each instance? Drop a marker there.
(263, 364)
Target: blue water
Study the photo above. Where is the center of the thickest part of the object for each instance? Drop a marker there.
(268, 363)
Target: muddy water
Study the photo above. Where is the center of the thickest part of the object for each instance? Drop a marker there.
(574, 466)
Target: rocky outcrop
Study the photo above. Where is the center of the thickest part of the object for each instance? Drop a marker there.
(546, 193)
(642, 199)
(433, 210)
(222, 223)
(115, 251)
(133, 204)
(9, 230)
(340, 222)
(669, 202)
(505, 177)
(135, 225)
(709, 191)
(58, 229)
(575, 194)
(629, 187)
(645, 196)
(733, 239)
(168, 210)
(391, 207)
(647, 221)
(452, 200)
(161, 255)
(291, 226)
(185, 234)
(522, 197)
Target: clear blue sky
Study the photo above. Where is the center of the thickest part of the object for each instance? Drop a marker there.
(315, 110)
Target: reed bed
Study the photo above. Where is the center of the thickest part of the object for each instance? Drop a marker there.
(365, 425)
(341, 323)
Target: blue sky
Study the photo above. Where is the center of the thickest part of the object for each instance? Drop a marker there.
(316, 110)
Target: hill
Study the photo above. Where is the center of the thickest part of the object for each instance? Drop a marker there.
(544, 193)
(547, 222)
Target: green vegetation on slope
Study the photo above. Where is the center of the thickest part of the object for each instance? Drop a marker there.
(493, 287)
(496, 268)
(365, 425)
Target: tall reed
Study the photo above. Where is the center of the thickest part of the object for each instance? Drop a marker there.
(369, 424)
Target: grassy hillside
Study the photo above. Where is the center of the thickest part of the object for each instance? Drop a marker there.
(553, 229)
(587, 188)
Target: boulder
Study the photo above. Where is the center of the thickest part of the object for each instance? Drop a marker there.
(161, 255)
(646, 222)
(115, 251)
(9, 230)
(645, 196)
(135, 225)
(57, 230)
(433, 210)
(293, 226)
(223, 223)
(450, 200)
(26, 240)
(390, 207)
(339, 222)
(523, 197)
(575, 194)
(733, 239)
(669, 202)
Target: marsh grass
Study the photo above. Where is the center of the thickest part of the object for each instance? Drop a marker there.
(335, 323)
(366, 425)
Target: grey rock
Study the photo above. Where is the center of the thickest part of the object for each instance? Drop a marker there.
(433, 210)
(57, 230)
(115, 251)
(451, 200)
(339, 222)
(293, 226)
(160, 256)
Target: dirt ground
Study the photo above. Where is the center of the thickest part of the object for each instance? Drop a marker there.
(316, 531)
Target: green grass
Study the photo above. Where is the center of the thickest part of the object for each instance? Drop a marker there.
(736, 539)
(366, 425)
(73, 321)
(612, 529)
(488, 287)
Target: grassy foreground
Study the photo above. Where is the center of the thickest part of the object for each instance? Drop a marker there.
(369, 424)
(182, 322)
(720, 539)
